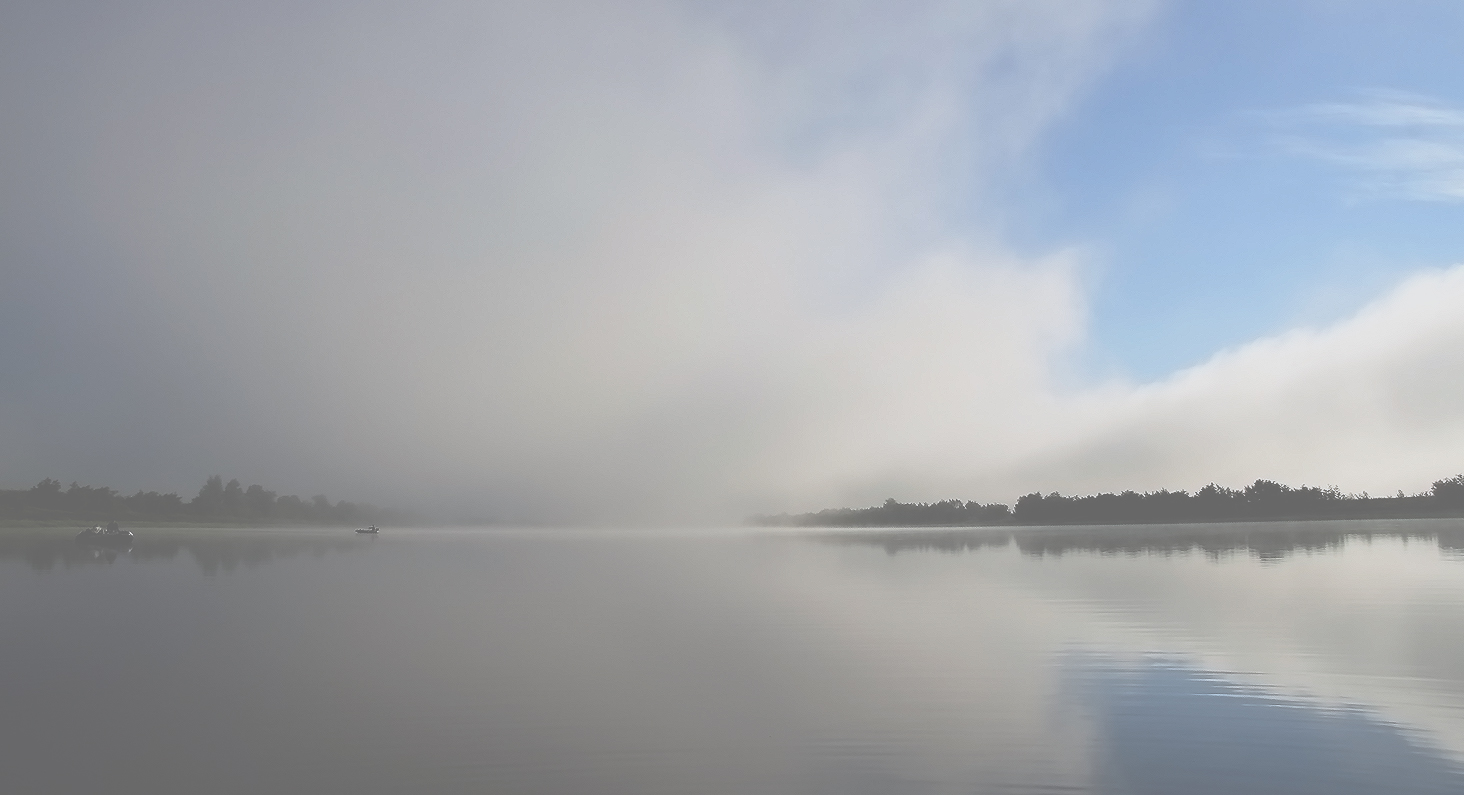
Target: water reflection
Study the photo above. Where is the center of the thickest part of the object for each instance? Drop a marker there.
(213, 549)
(450, 661)
(1165, 726)
(1265, 540)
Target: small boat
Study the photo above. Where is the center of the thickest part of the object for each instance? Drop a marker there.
(105, 536)
(373, 529)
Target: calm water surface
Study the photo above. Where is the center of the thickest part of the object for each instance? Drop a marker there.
(1308, 658)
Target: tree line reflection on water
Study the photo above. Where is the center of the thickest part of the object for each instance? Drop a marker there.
(221, 550)
(213, 550)
(1267, 541)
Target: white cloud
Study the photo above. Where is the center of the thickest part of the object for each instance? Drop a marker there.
(1375, 402)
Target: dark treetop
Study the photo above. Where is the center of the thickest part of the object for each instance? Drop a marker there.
(1263, 500)
(216, 502)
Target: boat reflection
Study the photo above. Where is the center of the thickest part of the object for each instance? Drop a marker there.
(108, 538)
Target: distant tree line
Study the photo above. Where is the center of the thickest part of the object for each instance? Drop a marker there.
(1264, 500)
(951, 513)
(216, 501)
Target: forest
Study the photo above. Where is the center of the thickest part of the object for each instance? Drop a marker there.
(216, 502)
(1264, 500)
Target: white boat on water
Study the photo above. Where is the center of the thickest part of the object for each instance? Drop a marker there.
(373, 529)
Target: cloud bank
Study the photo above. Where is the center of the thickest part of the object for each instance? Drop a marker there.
(563, 262)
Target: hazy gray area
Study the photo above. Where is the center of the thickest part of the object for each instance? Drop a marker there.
(1320, 659)
(555, 260)
(575, 261)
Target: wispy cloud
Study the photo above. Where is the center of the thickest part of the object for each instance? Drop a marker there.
(1399, 145)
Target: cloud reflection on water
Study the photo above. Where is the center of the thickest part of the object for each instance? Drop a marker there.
(1343, 614)
(1246, 658)
(1166, 726)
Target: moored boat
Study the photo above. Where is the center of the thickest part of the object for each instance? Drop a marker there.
(373, 529)
(112, 535)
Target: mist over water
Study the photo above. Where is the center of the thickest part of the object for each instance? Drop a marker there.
(559, 262)
(672, 263)
(1317, 658)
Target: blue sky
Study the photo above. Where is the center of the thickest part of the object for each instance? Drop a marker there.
(1180, 171)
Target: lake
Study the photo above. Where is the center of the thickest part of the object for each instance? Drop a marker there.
(1266, 658)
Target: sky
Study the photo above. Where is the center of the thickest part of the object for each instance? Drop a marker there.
(566, 262)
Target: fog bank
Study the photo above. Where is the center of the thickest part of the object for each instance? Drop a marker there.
(564, 262)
